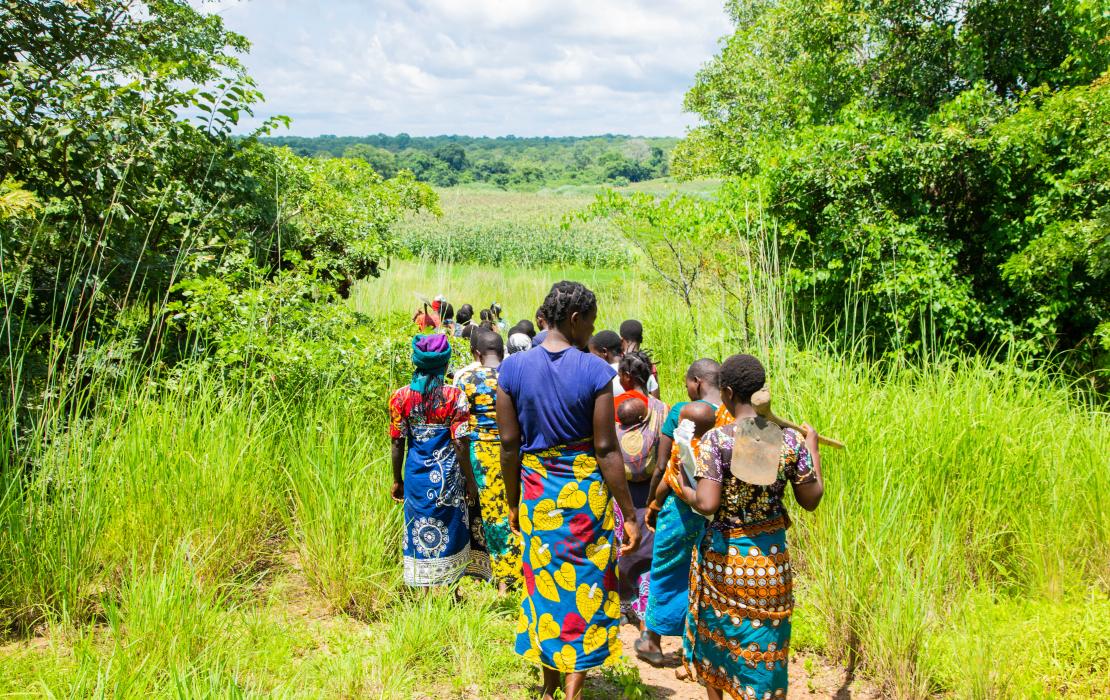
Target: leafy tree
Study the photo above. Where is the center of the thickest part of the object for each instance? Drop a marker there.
(794, 63)
(938, 163)
(453, 155)
(341, 216)
(382, 161)
(120, 178)
(93, 105)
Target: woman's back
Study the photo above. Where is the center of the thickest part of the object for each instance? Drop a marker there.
(554, 394)
(480, 386)
(638, 442)
(743, 503)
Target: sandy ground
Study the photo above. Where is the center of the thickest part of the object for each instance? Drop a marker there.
(823, 681)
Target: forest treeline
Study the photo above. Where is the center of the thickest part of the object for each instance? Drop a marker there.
(505, 161)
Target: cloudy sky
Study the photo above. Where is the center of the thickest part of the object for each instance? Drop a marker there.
(477, 67)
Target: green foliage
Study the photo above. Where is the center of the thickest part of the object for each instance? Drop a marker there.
(201, 539)
(91, 98)
(946, 539)
(341, 216)
(121, 180)
(626, 677)
(936, 170)
(509, 162)
(793, 64)
(288, 334)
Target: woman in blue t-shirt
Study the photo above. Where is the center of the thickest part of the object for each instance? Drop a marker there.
(558, 440)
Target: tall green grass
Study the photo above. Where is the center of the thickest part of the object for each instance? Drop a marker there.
(971, 493)
(195, 540)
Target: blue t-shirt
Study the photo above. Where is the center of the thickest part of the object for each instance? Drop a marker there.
(539, 338)
(672, 418)
(554, 394)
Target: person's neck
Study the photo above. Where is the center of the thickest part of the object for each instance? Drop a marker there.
(555, 340)
(713, 396)
(492, 361)
(742, 410)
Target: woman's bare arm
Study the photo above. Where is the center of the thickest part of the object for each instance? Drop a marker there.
(508, 425)
(705, 498)
(659, 486)
(462, 450)
(808, 495)
(397, 456)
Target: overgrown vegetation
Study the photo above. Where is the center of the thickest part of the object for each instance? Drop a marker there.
(950, 534)
(126, 198)
(944, 163)
(200, 331)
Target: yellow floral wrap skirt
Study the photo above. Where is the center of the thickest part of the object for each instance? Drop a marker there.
(570, 609)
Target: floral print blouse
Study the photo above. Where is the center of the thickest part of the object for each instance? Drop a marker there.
(480, 387)
(743, 503)
(406, 411)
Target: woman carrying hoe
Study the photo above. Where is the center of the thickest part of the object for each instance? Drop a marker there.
(741, 583)
(558, 440)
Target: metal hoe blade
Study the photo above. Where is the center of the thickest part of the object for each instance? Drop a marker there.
(757, 451)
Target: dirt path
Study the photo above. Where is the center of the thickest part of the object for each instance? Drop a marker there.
(821, 680)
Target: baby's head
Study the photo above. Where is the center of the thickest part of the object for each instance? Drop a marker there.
(631, 412)
(701, 414)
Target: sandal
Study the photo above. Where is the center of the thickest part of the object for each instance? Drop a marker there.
(654, 658)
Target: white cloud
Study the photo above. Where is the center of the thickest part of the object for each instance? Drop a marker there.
(479, 67)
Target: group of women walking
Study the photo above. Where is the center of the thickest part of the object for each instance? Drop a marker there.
(549, 471)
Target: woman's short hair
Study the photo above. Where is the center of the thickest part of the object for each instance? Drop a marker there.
(638, 364)
(743, 375)
(706, 369)
(632, 330)
(606, 340)
(466, 312)
(485, 342)
(566, 298)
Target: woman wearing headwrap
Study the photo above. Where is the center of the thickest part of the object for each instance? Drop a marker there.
(520, 337)
(431, 467)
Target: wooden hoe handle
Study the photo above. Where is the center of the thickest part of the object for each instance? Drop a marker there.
(761, 402)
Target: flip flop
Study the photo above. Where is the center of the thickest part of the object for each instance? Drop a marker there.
(654, 658)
